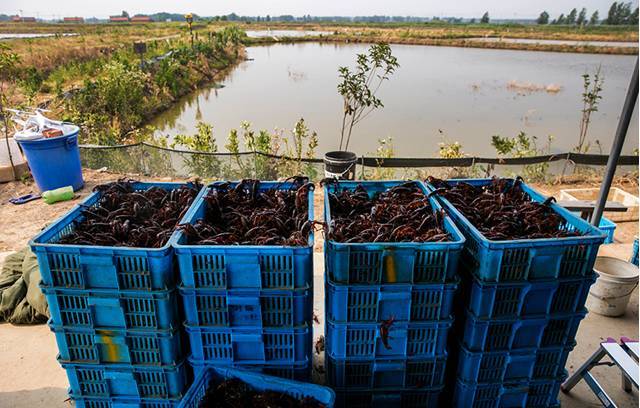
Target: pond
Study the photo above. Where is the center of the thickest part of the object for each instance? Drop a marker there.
(438, 94)
(557, 42)
(285, 33)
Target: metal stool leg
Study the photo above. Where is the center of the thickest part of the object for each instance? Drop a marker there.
(583, 370)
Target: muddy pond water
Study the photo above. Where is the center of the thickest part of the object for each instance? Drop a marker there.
(438, 94)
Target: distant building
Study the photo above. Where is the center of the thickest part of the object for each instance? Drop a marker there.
(141, 19)
(118, 19)
(77, 20)
(18, 19)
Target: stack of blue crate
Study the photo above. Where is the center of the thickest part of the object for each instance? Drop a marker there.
(248, 306)
(114, 313)
(521, 302)
(388, 314)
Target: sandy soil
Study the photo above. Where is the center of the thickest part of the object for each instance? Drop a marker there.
(32, 378)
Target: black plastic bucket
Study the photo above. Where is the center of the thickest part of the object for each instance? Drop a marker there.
(340, 164)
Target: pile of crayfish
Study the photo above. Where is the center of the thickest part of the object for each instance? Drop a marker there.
(245, 214)
(233, 393)
(126, 217)
(400, 214)
(502, 210)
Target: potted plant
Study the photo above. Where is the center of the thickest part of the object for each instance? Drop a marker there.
(358, 88)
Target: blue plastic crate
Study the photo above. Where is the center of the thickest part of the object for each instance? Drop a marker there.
(634, 254)
(243, 266)
(103, 309)
(389, 399)
(126, 381)
(88, 402)
(100, 267)
(495, 366)
(257, 381)
(250, 346)
(95, 346)
(296, 371)
(377, 303)
(609, 228)
(527, 259)
(373, 374)
(404, 340)
(529, 298)
(551, 361)
(509, 334)
(247, 308)
(532, 394)
(389, 263)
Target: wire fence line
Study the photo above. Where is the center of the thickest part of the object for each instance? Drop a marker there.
(150, 159)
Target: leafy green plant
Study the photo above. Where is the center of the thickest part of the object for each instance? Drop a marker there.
(385, 150)
(592, 86)
(8, 67)
(201, 165)
(31, 82)
(302, 146)
(359, 87)
(454, 150)
(524, 145)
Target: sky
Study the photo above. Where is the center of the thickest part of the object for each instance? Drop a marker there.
(422, 8)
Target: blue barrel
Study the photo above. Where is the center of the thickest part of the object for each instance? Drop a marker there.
(55, 162)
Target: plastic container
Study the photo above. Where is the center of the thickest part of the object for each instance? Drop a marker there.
(55, 162)
(247, 308)
(257, 381)
(389, 399)
(610, 295)
(390, 262)
(340, 164)
(496, 366)
(551, 361)
(630, 201)
(532, 394)
(102, 309)
(521, 333)
(95, 402)
(403, 340)
(634, 254)
(296, 371)
(101, 267)
(528, 299)
(125, 381)
(527, 259)
(377, 303)
(370, 374)
(93, 346)
(250, 346)
(609, 228)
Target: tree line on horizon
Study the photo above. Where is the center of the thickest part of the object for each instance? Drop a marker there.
(619, 14)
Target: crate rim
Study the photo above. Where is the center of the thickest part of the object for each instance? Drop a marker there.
(264, 378)
(593, 236)
(451, 284)
(583, 311)
(457, 243)
(122, 366)
(73, 213)
(188, 218)
(55, 328)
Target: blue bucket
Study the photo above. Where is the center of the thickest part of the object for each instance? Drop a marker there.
(55, 162)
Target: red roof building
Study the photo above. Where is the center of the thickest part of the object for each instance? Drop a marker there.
(78, 20)
(118, 19)
(141, 19)
(18, 19)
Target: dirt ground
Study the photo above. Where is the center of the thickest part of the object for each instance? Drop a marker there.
(32, 378)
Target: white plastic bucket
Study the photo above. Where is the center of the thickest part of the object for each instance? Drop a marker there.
(610, 294)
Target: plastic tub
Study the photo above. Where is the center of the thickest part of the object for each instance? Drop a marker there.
(610, 294)
(257, 381)
(55, 162)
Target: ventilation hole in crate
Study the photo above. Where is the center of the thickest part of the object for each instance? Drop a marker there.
(547, 363)
(364, 267)
(277, 311)
(362, 306)
(358, 400)
(66, 270)
(430, 266)
(514, 264)
(492, 368)
(209, 271)
(81, 347)
(424, 373)
(217, 346)
(92, 382)
(425, 304)
(565, 297)
(487, 396)
(144, 350)
(74, 310)
(151, 384)
(277, 271)
(212, 310)
(279, 346)
(360, 342)
(421, 341)
(574, 261)
(555, 332)
(358, 374)
(140, 313)
(498, 336)
(539, 395)
(133, 272)
(415, 400)
(507, 301)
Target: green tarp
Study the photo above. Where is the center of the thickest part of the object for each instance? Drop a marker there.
(21, 300)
